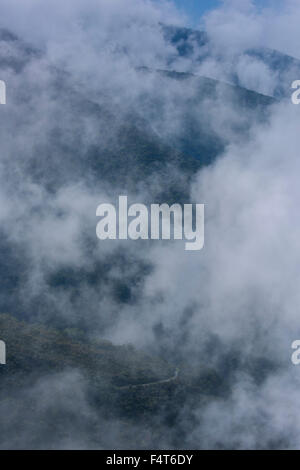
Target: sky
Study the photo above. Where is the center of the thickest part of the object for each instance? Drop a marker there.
(196, 8)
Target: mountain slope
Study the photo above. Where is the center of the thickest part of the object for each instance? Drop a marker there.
(195, 47)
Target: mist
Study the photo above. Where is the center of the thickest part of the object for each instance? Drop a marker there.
(81, 79)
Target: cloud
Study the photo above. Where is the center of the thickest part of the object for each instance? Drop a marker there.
(75, 97)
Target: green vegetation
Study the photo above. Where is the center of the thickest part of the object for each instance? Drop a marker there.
(32, 347)
(120, 379)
